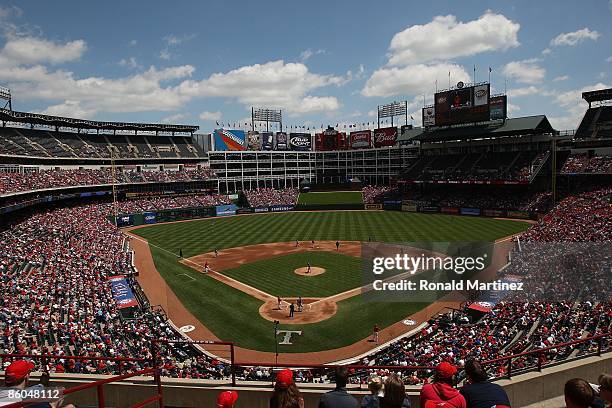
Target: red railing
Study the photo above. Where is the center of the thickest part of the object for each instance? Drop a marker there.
(154, 370)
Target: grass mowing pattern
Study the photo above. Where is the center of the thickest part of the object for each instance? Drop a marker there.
(332, 197)
(233, 315)
(277, 277)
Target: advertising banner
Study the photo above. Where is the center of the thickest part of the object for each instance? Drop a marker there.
(223, 210)
(498, 107)
(373, 206)
(300, 141)
(228, 139)
(428, 209)
(385, 136)
(245, 211)
(279, 208)
(429, 116)
(149, 218)
(261, 209)
(518, 214)
(409, 207)
(280, 142)
(267, 140)
(254, 140)
(449, 210)
(122, 293)
(361, 139)
(481, 95)
(494, 213)
(330, 140)
(469, 211)
(124, 220)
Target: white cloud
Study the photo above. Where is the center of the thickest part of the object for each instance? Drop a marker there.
(275, 84)
(525, 71)
(132, 43)
(174, 118)
(573, 104)
(444, 38)
(71, 109)
(546, 51)
(174, 40)
(561, 78)
(575, 37)
(130, 62)
(307, 54)
(211, 116)
(31, 50)
(518, 92)
(512, 109)
(412, 79)
(609, 59)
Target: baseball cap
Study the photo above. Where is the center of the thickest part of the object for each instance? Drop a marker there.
(227, 399)
(446, 370)
(284, 378)
(17, 370)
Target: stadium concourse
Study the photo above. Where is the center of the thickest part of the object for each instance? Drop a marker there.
(56, 262)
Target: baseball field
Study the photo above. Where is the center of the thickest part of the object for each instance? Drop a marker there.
(258, 260)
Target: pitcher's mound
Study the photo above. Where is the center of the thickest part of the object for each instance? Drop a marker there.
(314, 271)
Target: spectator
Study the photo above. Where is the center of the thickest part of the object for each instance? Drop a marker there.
(339, 398)
(605, 388)
(286, 394)
(579, 394)
(17, 377)
(395, 393)
(375, 387)
(227, 399)
(442, 391)
(480, 393)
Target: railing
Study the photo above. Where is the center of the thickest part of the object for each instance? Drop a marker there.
(154, 369)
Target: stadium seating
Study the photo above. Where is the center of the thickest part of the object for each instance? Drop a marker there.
(264, 197)
(583, 163)
(41, 143)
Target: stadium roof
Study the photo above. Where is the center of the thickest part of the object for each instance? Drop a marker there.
(58, 121)
(528, 125)
(598, 95)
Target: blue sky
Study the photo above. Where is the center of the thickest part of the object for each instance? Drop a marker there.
(322, 62)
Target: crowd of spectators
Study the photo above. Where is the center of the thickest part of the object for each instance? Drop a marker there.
(376, 194)
(583, 163)
(15, 182)
(264, 197)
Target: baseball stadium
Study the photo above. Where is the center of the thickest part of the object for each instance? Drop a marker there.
(462, 261)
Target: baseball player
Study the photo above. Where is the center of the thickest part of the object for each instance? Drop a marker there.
(180, 252)
(337, 245)
(216, 253)
(309, 267)
(279, 300)
(313, 243)
(206, 267)
(297, 243)
(291, 309)
(375, 332)
(300, 304)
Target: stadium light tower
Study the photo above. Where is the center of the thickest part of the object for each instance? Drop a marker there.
(266, 115)
(393, 109)
(5, 95)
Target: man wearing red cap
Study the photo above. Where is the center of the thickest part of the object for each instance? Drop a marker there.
(17, 376)
(441, 393)
(227, 399)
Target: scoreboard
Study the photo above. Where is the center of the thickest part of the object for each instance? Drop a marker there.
(464, 105)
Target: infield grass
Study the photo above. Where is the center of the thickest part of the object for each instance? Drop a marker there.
(234, 316)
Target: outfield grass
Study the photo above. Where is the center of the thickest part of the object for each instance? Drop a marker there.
(233, 315)
(277, 277)
(332, 197)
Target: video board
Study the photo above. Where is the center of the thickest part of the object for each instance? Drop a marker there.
(459, 105)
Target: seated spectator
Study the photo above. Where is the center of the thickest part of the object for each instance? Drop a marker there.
(375, 387)
(605, 388)
(395, 393)
(441, 393)
(579, 394)
(480, 393)
(339, 398)
(286, 394)
(227, 399)
(17, 377)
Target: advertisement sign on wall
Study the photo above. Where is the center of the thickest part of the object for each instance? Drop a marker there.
(385, 137)
(228, 139)
(300, 141)
(469, 211)
(279, 208)
(361, 139)
(223, 210)
(280, 142)
(429, 116)
(254, 140)
(149, 218)
(267, 140)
